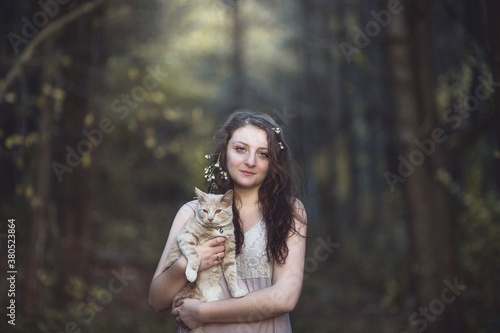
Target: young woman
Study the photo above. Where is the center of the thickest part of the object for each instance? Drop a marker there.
(253, 159)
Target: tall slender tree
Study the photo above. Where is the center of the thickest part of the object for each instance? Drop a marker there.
(42, 198)
(417, 182)
(426, 200)
(239, 91)
(79, 189)
(421, 25)
(492, 9)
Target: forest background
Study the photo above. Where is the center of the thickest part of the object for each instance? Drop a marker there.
(391, 109)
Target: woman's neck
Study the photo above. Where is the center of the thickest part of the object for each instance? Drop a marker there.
(249, 208)
(247, 196)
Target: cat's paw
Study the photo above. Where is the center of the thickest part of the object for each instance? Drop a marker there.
(191, 275)
(212, 299)
(239, 293)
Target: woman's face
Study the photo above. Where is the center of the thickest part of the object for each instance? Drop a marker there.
(248, 157)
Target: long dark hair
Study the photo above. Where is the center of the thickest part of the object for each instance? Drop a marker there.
(279, 190)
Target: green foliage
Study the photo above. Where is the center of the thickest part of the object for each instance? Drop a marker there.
(478, 232)
(342, 133)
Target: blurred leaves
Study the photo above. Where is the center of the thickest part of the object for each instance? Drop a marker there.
(342, 134)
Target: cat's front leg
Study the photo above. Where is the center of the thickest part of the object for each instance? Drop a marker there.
(191, 272)
(231, 275)
(238, 293)
(189, 249)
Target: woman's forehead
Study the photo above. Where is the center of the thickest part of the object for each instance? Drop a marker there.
(250, 135)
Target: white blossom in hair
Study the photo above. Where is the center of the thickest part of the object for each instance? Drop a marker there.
(277, 130)
(212, 169)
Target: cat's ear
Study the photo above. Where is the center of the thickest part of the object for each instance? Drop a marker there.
(227, 198)
(202, 196)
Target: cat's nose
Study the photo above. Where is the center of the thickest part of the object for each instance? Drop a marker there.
(210, 220)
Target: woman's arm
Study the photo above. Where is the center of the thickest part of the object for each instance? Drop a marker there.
(166, 284)
(262, 304)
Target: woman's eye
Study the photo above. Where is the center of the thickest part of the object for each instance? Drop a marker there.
(240, 149)
(264, 155)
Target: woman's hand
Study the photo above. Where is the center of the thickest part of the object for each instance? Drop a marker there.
(211, 252)
(187, 312)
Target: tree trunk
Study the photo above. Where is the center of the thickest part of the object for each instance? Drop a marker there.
(418, 182)
(238, 98)
(41, 199)
(315, 101)
(90, 188)
(452, 317)
(80, 187)
(493, 12)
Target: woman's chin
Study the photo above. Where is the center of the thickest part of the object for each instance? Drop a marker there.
(246, 184)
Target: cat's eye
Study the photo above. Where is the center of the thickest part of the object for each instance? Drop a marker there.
(218, 211)
(204, 211)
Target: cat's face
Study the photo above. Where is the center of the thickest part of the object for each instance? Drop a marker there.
(214, 210)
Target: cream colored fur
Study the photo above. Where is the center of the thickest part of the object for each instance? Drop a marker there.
(213, 218)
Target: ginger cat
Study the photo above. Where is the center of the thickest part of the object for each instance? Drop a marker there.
(213, 218)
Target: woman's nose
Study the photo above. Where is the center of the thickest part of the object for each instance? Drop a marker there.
(250, 161)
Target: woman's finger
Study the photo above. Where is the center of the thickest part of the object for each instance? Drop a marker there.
(219, 249)
(209, 251)
(215, 241)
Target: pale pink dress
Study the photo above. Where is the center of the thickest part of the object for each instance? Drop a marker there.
(254, 273)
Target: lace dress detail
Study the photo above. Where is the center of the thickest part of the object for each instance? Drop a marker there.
(254, 273)
(252, 261)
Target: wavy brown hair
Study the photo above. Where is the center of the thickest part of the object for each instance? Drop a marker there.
(279, 190)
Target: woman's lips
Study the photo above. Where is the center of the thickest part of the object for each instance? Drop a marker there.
(248, 173)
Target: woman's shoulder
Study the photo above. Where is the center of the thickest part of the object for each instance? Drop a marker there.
(297, 205)
(184, 214)
(299, 210)
(188, 209)
(191, 205)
